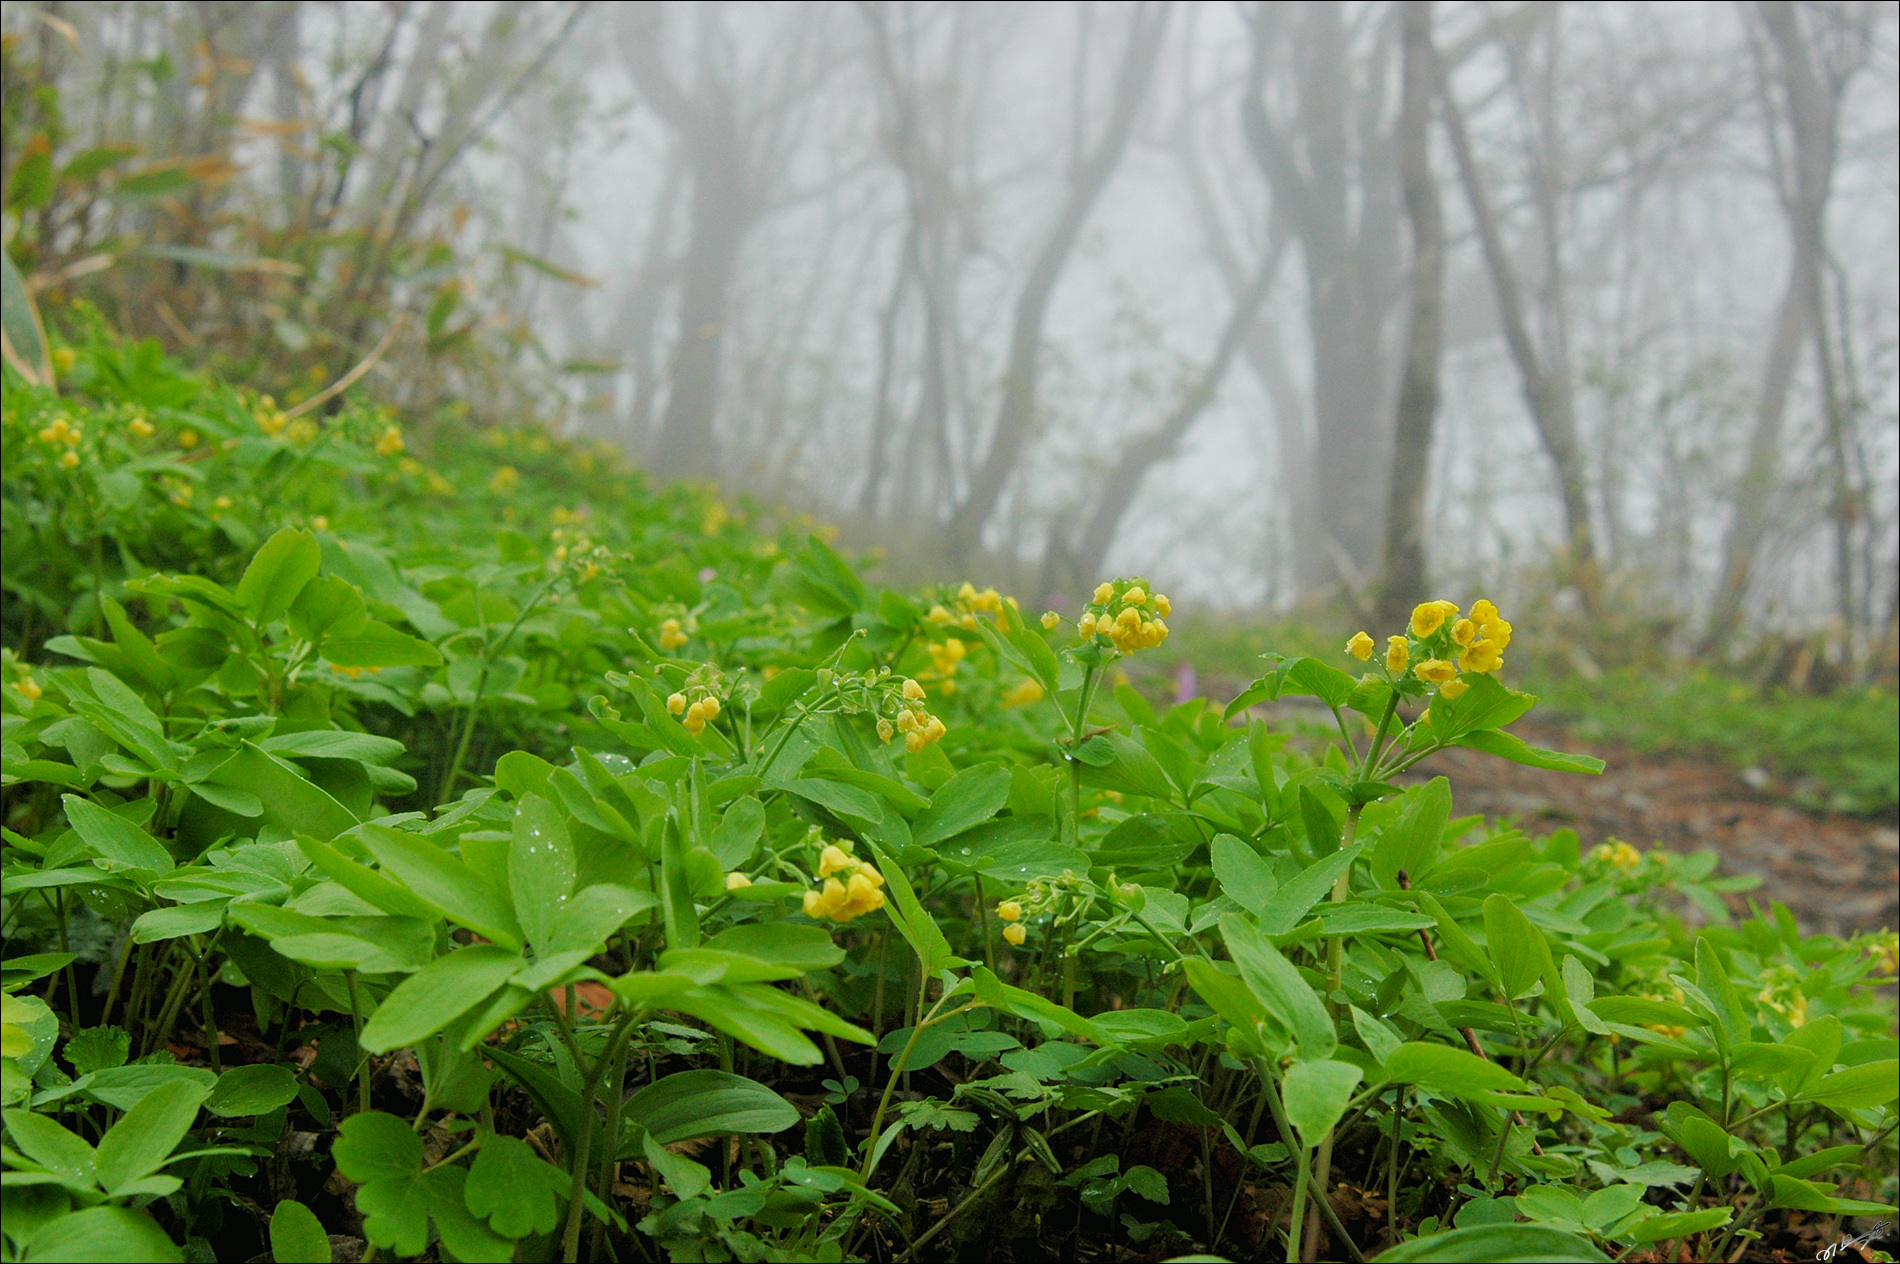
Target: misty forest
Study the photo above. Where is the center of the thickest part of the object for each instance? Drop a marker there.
(912, 630)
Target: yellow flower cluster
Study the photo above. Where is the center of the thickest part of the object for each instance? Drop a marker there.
(30, 687)
(140, 427)
(1617, 854)
(390, 442)
(1781, 992)
(1445, 645)
(302, 430)
(969, 604)
(695, 713)
(852, 887)
(1128, 614)
(1022, 693)
(919, 727)
(1010, 912)
(62, 431)
(1661, 989)
(672, 635)
(1884, 946)
(504, 478)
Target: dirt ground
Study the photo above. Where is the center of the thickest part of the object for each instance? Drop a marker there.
(1838, 874)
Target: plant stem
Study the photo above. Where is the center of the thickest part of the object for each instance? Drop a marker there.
(1335, 970)
(577, 1192)
(890, 1083)
(211, 1015)
(362, 1061)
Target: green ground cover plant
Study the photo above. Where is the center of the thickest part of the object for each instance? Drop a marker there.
(445, 839)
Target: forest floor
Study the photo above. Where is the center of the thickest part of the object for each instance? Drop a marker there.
(1838, 874)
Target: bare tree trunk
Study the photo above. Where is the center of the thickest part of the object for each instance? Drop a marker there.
(1404, 583)
(1547, 393)
(724, 209)
(1142, 453)
(1345, 213)
(1813, 118)
(1016, 415)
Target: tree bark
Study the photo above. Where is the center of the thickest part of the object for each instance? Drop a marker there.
(1345, 213)
(1405, 580)
(1142, 453)
(1547, 393)
(1016, 414)
(1812, 117)
(723, 212)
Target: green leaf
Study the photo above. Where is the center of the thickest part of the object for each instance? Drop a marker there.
(252, 1090)
(1316, 1094)
(379, 645)
(1495, 1244)
(437, 995)
(1231, 999)
(703, 1103)
(1311, 885)
(1244, 876)
(736, 840)
(803, 948)
(1377, 1037)
(384, 1157)
(1757, 1060)
(1279, 987)
(52, 1147)
(296, 1236)
(365, 748)
(1731, 1020)
(177, 920)
(448, 886)
(594, 914)
(1411, 842)
(517, 1191)
(327, 606)
(1447, 1071)
(912, 920)
(1506, 746)
(1678, 1224)
(1857, 1088)
(114, 837)
(103, 1234)
(1515, 945)
(291, 801)
(969, 798)
(444, 1190)
(1821, 1037)
(1787, 1191)
(287, 561)
(141, 1142)
(687, 1178)
(1642, 1009)
(541, 869)
(22, 336)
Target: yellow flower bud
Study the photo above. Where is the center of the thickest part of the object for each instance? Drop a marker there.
(676, 703)
(1010, 910)
(1451, 690)
(1049, 620)
(913, 690)
(938, 615)
(141, 427)
(1429, 616)
(812, 901)
(736, 881)
(711, 706)
(1360, 647)
(832, 859)
(1482, 656)
(1103, 591)
(1135, 596)
(187, 439)
(1464, 631)
(1436, 671)
(1397, 654)
(1085, 627)
(966, 593)
(390, 442)
(884, 729)
(70, 460)
(914, 741)
(1015, 933)
(1162, 606)
(30, 687)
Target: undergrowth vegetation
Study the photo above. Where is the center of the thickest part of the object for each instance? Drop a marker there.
(444, 839)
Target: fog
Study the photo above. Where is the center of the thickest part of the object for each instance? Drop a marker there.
(1277, 304)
